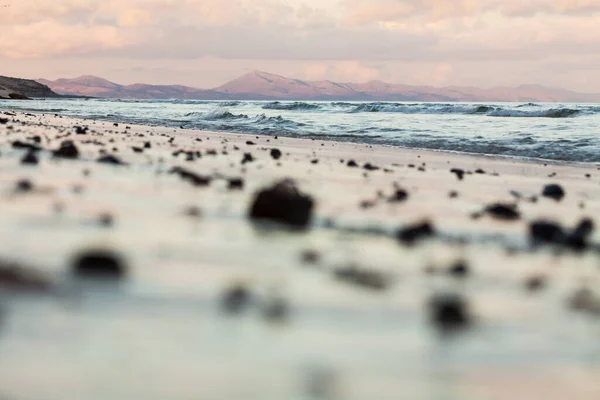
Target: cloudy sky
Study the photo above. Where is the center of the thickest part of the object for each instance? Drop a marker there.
(204, 43)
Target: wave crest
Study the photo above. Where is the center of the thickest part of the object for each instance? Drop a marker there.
(295, 106)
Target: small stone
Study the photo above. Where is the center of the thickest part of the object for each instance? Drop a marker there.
(283, 203)
(99, 264)
(459, 270)
(24, 185)
(67, 149)
(507, 212)
(191, 177)
(235, 184)
(81, 130)
(247, 158)
(370, 167)
(553, 191)
(352, 164)
(110, 159)
(542, 231)
(30, 159)
(449, 312)
(276, 154)
(235, 299)
(399, 196)
(458, 172)
(411, 234)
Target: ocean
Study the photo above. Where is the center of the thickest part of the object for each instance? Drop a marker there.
(550, 131)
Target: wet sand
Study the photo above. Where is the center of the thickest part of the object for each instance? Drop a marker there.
(339, 310)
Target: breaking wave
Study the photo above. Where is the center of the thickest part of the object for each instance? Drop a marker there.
(216, 114)
(490, 111)
(277, 105)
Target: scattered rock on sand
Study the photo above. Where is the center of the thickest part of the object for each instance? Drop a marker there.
(550, 232)
(399, 196)
(67, 149)
(507, 212)
(449, 312)
(110, 159)
(553, 191)
(235, 184)
(546, 232)
(413, 233)
(460, 173)
(248, 157)
(236, 298)
(81, 130)
(283, 203)
(103, 264)
(191, 177)
(365, 278)
(460, 269)
(276, 154)
(24, 186)
(30, 158)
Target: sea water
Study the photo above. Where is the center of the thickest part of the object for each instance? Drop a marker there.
(551, 131)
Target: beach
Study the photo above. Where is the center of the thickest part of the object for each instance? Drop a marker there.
(338, 308)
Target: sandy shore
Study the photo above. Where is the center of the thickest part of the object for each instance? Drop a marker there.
(336, 311)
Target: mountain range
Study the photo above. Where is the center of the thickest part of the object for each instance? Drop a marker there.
(258, 85)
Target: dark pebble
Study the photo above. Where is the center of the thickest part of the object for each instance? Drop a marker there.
(367, 279)
(24, 185)
(191, 177)
(370, 167)
(110, 159)
(235, 299)
(81, 130)
(99, 264)
(276, 154)
(17, 144)
(507, 212)
(553, 191)
(247, 158)
(459, 270)
(546, 232)
(449, 312)
(411, 234)
(458, 172)
(352, 164)
(235, 184)
(283, 203)
(67, 149)
(30, 158)
(399, 196)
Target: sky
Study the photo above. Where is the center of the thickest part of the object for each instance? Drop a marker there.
(204, 43)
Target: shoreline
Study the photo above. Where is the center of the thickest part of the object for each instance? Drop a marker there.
(531, 160)
(275, 308)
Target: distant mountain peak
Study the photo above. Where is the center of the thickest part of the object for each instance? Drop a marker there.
(262, 85)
